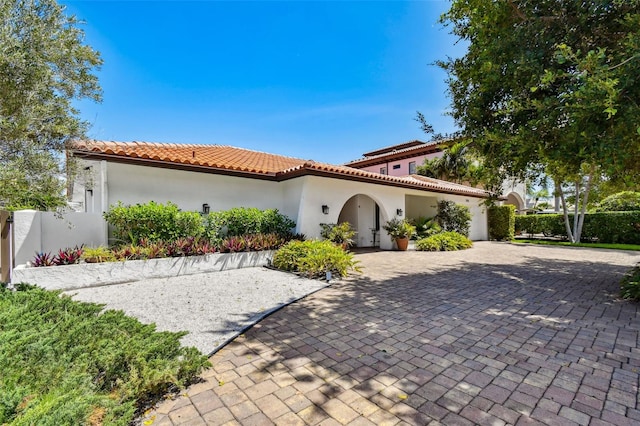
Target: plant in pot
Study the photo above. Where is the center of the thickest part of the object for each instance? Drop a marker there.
(341, 234)
(400, 230)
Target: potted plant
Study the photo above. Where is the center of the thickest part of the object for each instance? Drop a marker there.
(400, 230)
(341, 234)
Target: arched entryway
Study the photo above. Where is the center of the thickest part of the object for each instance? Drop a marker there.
(364, 215)
(515, 199)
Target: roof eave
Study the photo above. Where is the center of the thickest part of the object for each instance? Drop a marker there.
(366, 162)
(90, 155)
(370, 179)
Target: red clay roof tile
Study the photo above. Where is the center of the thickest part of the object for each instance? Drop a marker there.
(223, 157)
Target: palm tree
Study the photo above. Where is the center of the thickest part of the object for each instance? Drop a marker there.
(455, 164)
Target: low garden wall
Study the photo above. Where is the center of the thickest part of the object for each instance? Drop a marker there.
(82, 275)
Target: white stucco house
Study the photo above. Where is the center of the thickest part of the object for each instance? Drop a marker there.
(217, 177)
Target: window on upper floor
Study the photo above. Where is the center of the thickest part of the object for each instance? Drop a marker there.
(412, 168)
(383, 170)
(396, 166)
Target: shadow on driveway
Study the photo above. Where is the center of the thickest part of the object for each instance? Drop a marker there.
(499, 334)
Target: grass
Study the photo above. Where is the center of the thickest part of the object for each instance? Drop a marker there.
(70, 363)
(634, 247)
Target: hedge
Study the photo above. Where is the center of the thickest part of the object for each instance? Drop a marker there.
(605, 227)
(152, 221)
(248, 220)
(502, 222)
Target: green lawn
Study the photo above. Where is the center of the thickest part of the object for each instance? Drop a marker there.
(64, 362)
(589, 245)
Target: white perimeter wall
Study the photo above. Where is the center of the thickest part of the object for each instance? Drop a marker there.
(36, 232)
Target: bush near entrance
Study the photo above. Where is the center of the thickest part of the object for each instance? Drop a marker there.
(454, 217)
(502, 221)
(445, 241)
(313, 259)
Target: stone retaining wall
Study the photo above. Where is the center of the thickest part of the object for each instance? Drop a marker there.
(96, 274)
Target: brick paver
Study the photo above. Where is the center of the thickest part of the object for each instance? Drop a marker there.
(498, 334)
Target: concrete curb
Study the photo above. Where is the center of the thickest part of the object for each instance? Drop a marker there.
(86, 275)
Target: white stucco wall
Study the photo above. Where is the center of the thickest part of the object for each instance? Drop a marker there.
(189, 190)
(479, 229)
(46, 232)
(417, 206)
(300, 198)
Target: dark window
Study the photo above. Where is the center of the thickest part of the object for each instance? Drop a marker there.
(396, 166)
(412, 168)
(383, 170)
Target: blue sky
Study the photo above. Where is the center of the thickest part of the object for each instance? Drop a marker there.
(324, 80)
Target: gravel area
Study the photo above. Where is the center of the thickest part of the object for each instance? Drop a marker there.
(214, 307)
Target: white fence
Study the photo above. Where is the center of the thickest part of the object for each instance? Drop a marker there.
(36, 232)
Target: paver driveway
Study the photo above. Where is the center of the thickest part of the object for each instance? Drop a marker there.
(498, 334)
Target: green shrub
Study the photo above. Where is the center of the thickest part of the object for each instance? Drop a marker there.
(98, 254)
(399, 228)
(426, 226)
(153, 221)
(547, 224)
(605, 227)
(630, 285)
(274, 222)
(247, 220)
(63, 361)
(454, 217)
(314, 258)
(502, 221)
(622, 201)
(341, 234)
(445, 241)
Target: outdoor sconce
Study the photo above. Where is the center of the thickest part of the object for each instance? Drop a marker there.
(399, 212)
(325, 209)
(205, 208)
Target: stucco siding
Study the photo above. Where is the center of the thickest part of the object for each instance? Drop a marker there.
(400, 167)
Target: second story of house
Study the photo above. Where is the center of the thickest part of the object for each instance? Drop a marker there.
(398, 160)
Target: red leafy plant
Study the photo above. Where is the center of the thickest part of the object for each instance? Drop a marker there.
(43, 259)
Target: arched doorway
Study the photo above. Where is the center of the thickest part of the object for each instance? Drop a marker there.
(515, 199)
(364, 215)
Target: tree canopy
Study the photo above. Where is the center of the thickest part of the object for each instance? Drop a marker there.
(44, 67)
(550, 86)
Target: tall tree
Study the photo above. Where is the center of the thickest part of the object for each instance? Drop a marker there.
(550, 86)
(44, 67)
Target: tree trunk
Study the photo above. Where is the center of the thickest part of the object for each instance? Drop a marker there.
(567, 225)
(585, 198)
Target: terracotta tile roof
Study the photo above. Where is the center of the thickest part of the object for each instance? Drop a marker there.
(222, 158)
(413, 181)
(392, 148)
(398, 154)
(213, 156)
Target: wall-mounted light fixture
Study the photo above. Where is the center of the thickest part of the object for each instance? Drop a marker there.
(325, 209)
(205, 208)
(399, 212)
